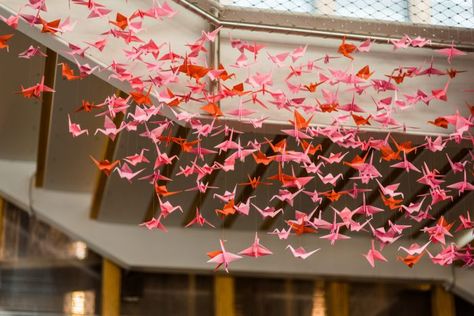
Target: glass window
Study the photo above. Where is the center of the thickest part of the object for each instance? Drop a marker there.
(280, 5)
(457, 13)
(43, 271)
(389, 10)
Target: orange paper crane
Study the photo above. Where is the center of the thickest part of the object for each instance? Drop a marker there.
(87, 106)
(365, 73)
(313, 86)
(141, 98)
(332, 195)
(105, 165)
(213, 109)
(254, 182)
(440, 122)
(121, 21)
(68, 73)
(410, 260)
(261, 158)
(391, 202)
(162, 190)
(4, 39)
(360, 120)
(278, 147)
(346, 49)
(187, 147)
(310, 148)
(406, 147)
(193, 71)
(228, 209)
(300, 122)
(300, 228)
(388, 154)
(356, 161)
(50, 27)
(453, 72)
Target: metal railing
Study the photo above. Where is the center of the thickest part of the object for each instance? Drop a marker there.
(443, 21)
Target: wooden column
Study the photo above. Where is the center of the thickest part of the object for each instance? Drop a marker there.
(224, 296)
(45, 119)
(111, 284)
(2, 226)
(442, 302)
(192, 295)
(289, 299)
(337, 299)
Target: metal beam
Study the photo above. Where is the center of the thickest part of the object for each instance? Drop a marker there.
(109, 154)
(248, 190)
(45, 121)
(315, 25)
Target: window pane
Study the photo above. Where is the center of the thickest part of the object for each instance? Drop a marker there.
(280, 5)
(453, 13)
(390, 10)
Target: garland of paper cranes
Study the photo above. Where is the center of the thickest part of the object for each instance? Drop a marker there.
(152, 93)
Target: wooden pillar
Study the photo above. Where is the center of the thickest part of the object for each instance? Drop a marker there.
(111, 284)
(45, 119)
(442, 302)
(109, 154)
(319, 299)
(224, 296)
(289, 297)
(337, 298)
(2, 227)
(192, 295)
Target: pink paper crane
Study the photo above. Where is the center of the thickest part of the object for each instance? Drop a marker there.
(414, 248)
(167, 208)
(466, 222)
(222, 257)
(154, 223)
(125, 172)
(75, 129)
(450, 52)
(405, 164)
(300, 252)
(256, 249)
(137, 158)
(200, 220)
(457, 166)
(268, 211)
(462, 186)
(373, 255)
